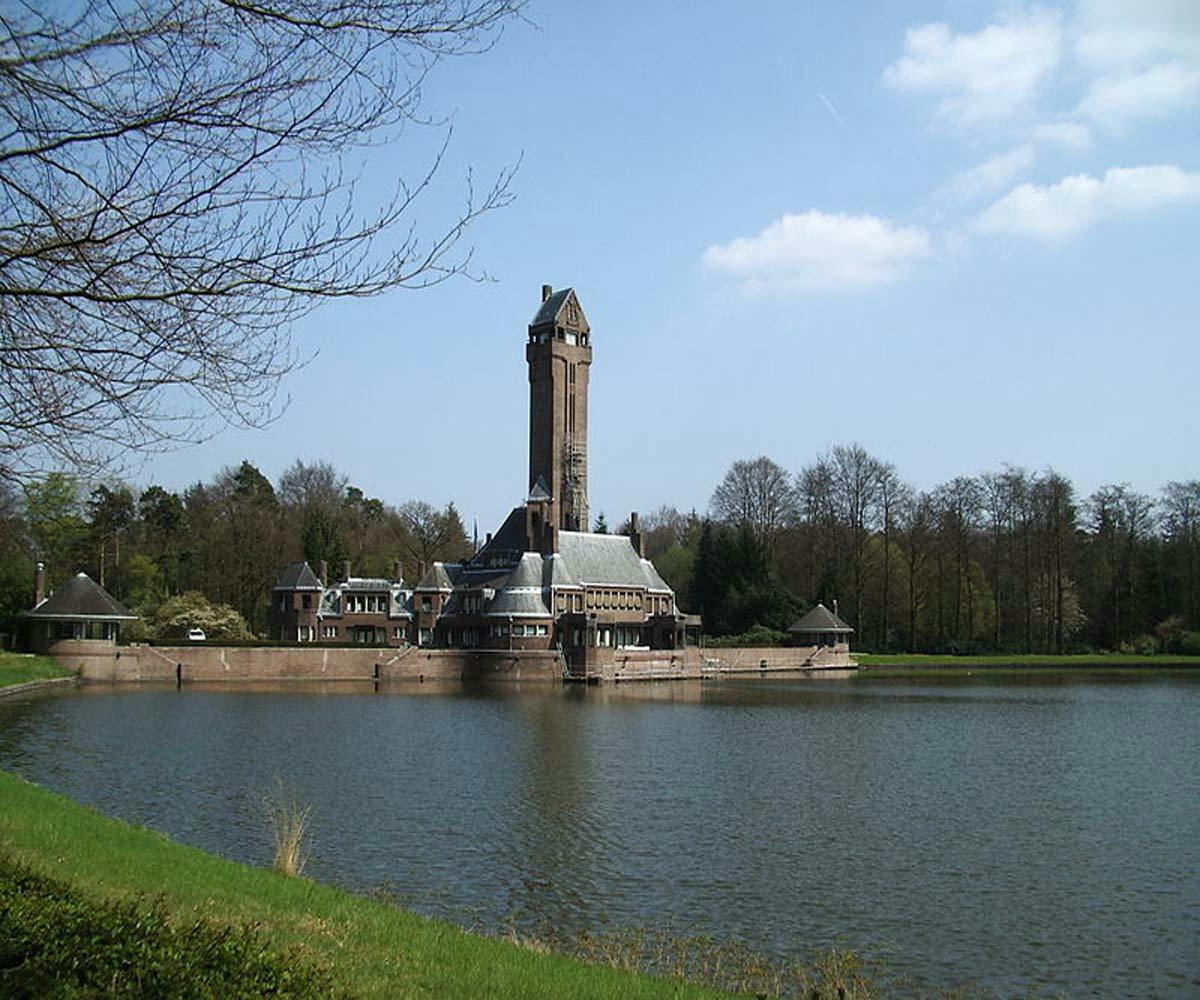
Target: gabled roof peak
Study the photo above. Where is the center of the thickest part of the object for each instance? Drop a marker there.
(561, 308)
(539, 492)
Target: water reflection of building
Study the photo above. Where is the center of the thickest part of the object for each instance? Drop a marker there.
(542, 581)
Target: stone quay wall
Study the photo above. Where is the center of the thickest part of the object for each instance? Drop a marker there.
(106, 662)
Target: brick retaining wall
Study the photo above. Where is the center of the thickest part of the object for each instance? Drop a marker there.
(106, 662)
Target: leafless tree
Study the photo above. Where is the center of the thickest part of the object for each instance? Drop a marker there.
(1180, 507)
(757, 492)
(892, 495)
(856, 489)
(176, 188)
(817, 512)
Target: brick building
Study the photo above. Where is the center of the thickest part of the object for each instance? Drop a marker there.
(542, 581)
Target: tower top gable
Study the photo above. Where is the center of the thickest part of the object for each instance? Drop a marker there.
(562, 309)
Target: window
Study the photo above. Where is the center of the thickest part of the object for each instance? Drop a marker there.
(426, 604)
(397, 631)
(541, 630)
(329, 631)
(307, 601)
(283, 601)
(579, 602)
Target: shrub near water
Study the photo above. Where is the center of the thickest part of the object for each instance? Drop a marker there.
(56, 942)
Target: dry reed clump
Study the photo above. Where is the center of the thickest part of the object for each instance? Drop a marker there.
(707, 961)
(289, 818)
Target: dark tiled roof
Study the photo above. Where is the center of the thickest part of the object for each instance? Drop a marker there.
(298, 576)
(820, 619)
(550, 308)
(508, 541)
(81, 598)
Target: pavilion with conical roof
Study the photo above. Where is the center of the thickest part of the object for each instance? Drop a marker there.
(821, 627)
(79, 609)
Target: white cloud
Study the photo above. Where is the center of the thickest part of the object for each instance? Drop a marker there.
(1157, 91)
(1070, 134)
(816, 251)
(1074, 203)
(1116, 35)
(992, 174)
(1143, 55)
(987, 75)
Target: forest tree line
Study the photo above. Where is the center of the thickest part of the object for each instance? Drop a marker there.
(1005, 561)
(1010, 560)
(166, 555)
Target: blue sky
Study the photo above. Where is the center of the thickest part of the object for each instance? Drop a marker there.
(959, 233)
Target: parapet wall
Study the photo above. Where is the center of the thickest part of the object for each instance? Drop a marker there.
(103, 661)
(107, 662)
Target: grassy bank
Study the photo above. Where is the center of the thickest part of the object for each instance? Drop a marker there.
(369, 948)
(20, 668)
(910, 664)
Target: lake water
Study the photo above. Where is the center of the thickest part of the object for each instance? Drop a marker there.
(1041, 833)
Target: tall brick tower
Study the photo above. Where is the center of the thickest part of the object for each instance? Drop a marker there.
(559, 353)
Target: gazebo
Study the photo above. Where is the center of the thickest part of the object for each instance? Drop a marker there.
(79, 609)
(821, 627)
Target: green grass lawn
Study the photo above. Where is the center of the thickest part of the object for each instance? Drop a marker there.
(373, 949)
(20, 668)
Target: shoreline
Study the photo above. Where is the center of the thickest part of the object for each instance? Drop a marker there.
(372, 948)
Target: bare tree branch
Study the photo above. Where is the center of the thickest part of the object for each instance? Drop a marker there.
(173, 196)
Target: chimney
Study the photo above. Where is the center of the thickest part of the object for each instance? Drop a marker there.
(547, 291)
(346, 569)
(489, 539)
(635, 533)
(420, 570)
(39, 584)
(549, 538)
(835, 610)
(323, 572)
(397, 570)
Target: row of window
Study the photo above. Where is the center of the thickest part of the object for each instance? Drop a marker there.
(365, 604)
(519, 630)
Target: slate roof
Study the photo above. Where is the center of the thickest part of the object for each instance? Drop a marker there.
(539, 491)
(508, 541)
(81, 598)
(550, 308)
(555, 572)
(441, 576)
(654, 582)
(602, 560)
(821, 619)
(518, 603)
(367, 583)
(528, 574)
(298, 576)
